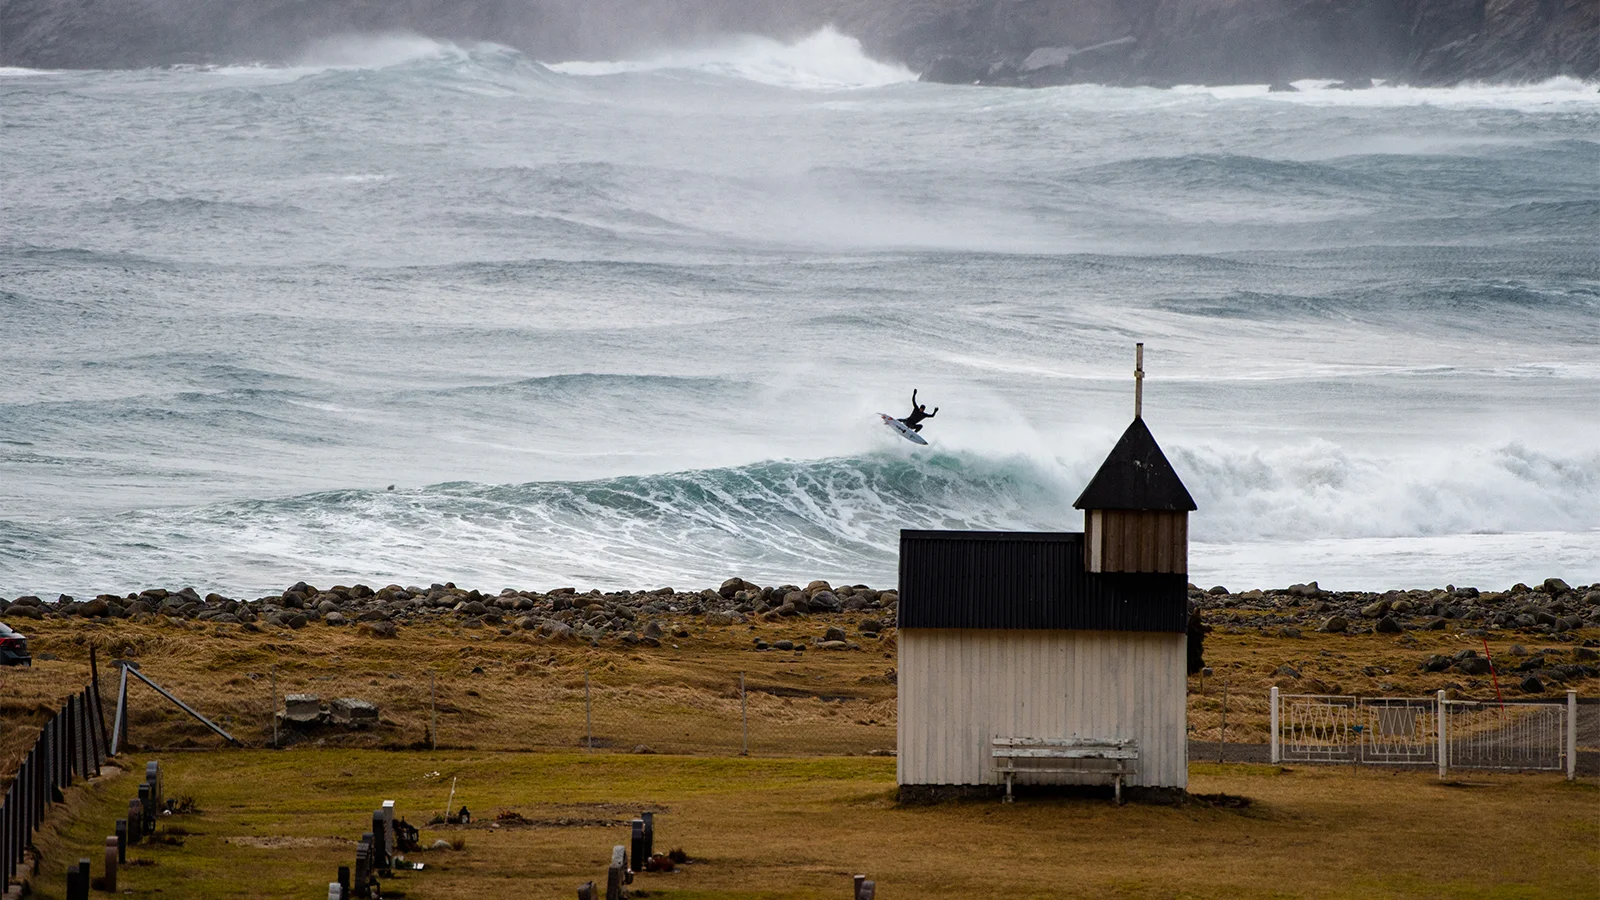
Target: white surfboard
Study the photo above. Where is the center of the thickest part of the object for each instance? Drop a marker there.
(900, 427)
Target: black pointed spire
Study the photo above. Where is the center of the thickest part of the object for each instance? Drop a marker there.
(1136, 476)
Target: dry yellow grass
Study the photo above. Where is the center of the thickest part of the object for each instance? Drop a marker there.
(29, 696)
(681, 697)
(282, 822)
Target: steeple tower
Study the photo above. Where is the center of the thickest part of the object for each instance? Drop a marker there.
(1136, 509)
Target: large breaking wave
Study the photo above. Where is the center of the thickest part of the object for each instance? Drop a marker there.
(780, 520)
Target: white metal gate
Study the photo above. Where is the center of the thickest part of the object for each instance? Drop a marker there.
(1314, 728)
(1505, 735)
(1468, 734)
(1400, 730)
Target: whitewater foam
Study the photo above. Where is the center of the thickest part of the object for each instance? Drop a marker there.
(1554, 93)
(824, 60)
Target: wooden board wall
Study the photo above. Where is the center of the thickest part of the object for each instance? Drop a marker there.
(1134, 540)
(960, 687)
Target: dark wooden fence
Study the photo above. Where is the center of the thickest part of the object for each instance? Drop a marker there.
(72, 745)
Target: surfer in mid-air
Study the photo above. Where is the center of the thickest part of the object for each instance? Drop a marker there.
(918, 413)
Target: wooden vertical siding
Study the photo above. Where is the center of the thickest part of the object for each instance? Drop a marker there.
(1136, 540)
(958, 688)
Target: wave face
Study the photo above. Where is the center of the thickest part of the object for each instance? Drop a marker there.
(626, 323)
(836, 518)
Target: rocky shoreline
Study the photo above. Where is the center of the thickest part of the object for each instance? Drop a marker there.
(821, 617)
(1552, 609)
(628, 617)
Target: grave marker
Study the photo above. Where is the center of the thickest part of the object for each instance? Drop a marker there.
(614, 875)
(639, 853)
(113, 851)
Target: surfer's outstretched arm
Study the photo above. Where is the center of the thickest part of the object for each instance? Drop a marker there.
(913, 398)
(934, 413)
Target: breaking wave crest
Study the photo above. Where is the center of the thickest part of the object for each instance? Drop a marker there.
(779, 520)
(825, 59)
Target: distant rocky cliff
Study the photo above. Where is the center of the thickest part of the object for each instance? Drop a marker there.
(1021, 42)
(1255, 41)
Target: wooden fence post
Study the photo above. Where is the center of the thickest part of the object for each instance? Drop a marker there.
(744, 718)
(58, 759)
(96, 747)
(433, 716)
(1276, 754)
(858, 880)
(85, 743)
(1222, 748)
(1444, 729)
(1572, 735)
(25, 778)
(649, 833)
(7, 836)
(99, 706)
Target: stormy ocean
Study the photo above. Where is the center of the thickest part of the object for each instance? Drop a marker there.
(627, 323)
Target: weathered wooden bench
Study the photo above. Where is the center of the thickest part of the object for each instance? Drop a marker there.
(1025, 755)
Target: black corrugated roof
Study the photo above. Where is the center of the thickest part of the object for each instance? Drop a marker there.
(1009, 579)
(1136, 476)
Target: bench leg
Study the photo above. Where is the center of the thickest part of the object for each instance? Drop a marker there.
(1008, 788)
(1119, 789)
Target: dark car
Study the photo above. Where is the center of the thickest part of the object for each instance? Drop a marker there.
(13, 648)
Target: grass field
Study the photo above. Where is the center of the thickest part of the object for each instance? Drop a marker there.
(279, 824)
(809, 808)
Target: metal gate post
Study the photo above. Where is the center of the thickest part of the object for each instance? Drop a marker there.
(1572, 735)
(1277, 755)
(1444, 735)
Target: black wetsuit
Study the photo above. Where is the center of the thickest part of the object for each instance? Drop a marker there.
(918, 413)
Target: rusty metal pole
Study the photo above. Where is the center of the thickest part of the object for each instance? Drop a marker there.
(274, 707)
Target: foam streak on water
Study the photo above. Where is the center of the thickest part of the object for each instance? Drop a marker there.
(627, 323)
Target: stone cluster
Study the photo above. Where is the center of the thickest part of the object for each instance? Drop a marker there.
(306, 710)
(1552, 611)
(1552, 608)
(631, 617)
